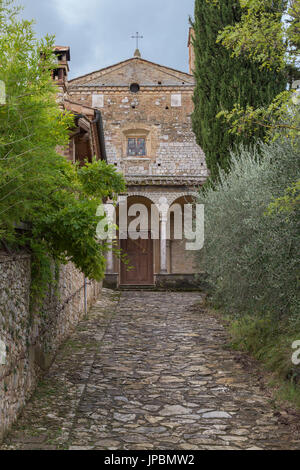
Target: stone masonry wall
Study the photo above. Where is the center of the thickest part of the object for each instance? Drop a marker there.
(182, 261)
(170, 142)
(160, 112)
(30, 341)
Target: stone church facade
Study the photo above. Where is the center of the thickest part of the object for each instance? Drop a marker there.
(137, 116)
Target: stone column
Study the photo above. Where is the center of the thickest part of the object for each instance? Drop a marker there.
(163, 208)
(110, 214)
(110, 259)
(163, 244)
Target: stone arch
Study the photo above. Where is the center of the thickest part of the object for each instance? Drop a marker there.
(138, 238)
(182, 261)
(145, 195)
(155, 197)
(181, 195)
(141, 198)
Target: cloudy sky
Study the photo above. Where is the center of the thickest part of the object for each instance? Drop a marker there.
(99, 31)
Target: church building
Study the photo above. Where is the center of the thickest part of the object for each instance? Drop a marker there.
(137, 116)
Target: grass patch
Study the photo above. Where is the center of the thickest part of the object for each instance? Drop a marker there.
(72, 344)
(270, 341)
(45, 389)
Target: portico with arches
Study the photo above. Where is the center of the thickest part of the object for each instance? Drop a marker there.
(153, 238)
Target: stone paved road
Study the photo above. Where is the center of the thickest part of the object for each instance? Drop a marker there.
(149, 372)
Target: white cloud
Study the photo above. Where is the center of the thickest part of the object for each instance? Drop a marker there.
(76, 12)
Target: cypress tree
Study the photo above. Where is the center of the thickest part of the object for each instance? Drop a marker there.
(223, 81)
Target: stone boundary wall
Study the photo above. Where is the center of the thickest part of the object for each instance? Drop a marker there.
(30, 341)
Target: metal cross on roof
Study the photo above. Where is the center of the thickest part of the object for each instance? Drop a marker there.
(137, 37)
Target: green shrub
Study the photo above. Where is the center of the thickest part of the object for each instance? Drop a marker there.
(251, 254)
(56, 200)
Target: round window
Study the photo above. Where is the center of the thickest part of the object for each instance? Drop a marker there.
(134, 88)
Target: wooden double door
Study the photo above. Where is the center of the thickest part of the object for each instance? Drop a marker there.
(140, 255)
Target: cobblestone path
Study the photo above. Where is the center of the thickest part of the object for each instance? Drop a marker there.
(149, 371)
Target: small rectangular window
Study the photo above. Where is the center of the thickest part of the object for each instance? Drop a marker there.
(136, 147)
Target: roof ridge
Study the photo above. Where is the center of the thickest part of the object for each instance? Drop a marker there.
(122, 63)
